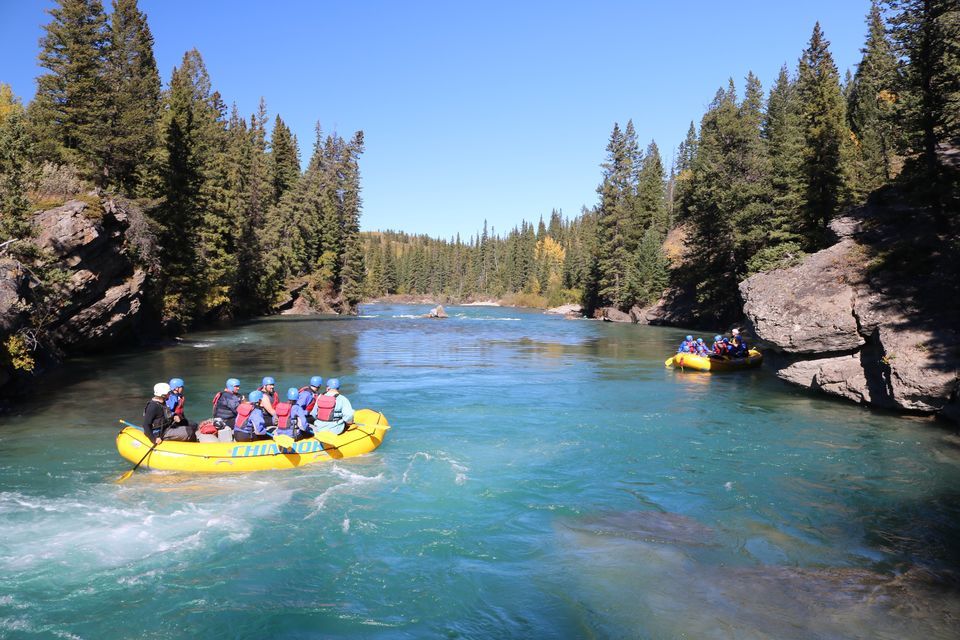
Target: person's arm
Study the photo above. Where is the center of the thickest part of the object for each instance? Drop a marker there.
(347, 409)
(267, 405)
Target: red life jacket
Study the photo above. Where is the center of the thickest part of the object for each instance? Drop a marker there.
(692, 348)
(216, 398)
(178, 409)
(274, 399)
(325, 406)
(313, 400)
(243, 414)
(283, 414)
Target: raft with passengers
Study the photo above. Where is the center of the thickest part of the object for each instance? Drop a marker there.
(250, 433)
(726, 354)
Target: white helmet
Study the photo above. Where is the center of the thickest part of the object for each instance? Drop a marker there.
(161, 389)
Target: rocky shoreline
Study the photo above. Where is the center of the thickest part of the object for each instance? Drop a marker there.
(842, 321)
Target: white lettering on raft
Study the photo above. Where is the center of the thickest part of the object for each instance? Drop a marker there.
(270, 448)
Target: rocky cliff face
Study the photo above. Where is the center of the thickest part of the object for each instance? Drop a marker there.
(866, 319)
(102, 298)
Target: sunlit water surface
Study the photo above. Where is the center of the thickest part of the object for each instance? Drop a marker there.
(544, 478)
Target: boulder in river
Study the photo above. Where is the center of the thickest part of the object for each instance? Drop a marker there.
(436, 312)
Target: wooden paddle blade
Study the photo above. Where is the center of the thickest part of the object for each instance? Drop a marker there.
(283, 441)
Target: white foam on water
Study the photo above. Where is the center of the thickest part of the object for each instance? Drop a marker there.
(365, 316)
(345, 526)
(202, 345)
(459, 469)
(351, 482)
(108, 527)
(405, 315)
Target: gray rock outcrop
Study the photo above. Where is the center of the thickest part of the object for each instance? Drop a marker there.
(101, 298)
(842, 327)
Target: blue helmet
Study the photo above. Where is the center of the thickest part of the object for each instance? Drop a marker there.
(316, 381)
(699, 340)
(255, 396)
(292, 393)
(231, 383)
(333, 383)
(267, 380)
(689, 338)
(716, 338)
(176, 382)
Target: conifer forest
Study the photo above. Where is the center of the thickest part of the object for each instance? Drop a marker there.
(229, 220)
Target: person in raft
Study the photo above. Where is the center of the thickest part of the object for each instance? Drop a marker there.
(701, 348)
(720, 346)
(738, 345)
(307, 396)
(292, 417)
(687, 346)
(225, 405)
(251, 423)
(333, 411)
(268, 386)
(158, 423)
(176, 400)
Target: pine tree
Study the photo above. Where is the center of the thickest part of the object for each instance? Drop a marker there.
(616, 223)
(14, 171)
(133, 98)
(783, 135)
(284, 159)
(872, 103)
(70, 109)
(927, 32)
(351, 271)
(193, 132)
(823, 117)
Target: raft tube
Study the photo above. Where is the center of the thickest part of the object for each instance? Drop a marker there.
(363, 436)
(723, 363)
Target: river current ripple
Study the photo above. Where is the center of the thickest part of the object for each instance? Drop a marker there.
(544, 478)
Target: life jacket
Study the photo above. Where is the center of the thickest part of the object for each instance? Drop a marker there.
(225, 405)
(160, 423)
(327, 409)
(719, 348)
(692, 348)
(243, 417)
(283, 415)
(313, 398)
(178, 407)
(274, 398)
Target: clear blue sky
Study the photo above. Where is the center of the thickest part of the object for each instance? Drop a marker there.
(473, 110)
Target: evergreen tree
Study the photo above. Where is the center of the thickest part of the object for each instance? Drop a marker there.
(927, 33)
(823, 117)
(871, 105)
(616, 224)
(14, 171)
(134, 96)
(70, 110)
(284, 159)
(783, 134)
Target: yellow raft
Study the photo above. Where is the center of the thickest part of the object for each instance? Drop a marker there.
(723, 363)
(363, 436)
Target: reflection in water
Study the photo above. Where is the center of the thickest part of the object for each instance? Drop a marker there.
(543, 478)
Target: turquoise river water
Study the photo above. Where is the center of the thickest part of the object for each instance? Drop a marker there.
(544, 478)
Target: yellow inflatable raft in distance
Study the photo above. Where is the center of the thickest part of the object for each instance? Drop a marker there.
(724, 363)
(363, 436)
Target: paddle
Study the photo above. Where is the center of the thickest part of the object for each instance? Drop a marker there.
(149, 451)
(668, 361)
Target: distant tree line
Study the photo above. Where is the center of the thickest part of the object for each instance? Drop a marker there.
(235, 221)
(751, 189)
